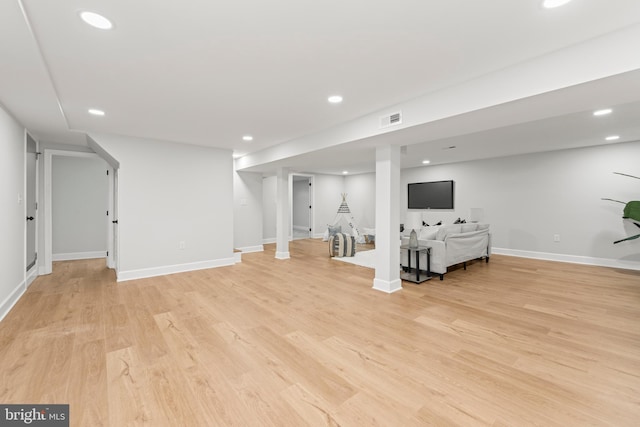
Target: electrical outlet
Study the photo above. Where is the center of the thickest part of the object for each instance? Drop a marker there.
(182, 244)
(556, 238)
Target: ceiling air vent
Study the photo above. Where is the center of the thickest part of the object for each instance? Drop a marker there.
(391, 120)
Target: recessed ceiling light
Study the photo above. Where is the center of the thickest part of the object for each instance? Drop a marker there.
(550, 4)
(426, 162)
(96, 112)
(345, 172)
(335, 99)
(602, 112)
(612, 137)
(247, 138)
(95, 20)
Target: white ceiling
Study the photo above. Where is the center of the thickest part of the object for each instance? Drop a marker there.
(477, 135)
(208, 72)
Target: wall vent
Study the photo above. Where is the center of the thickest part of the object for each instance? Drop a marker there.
(391, 120)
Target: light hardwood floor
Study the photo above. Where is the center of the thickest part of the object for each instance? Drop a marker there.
(306, 341)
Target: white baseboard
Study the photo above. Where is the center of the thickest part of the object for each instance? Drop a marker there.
(78, 255)
(31, 275)
(386, 286)
(574, 259)
(123, 276)
(237, 257)
(12, 299)
(274, 240)
(283, 255)
(249, 249)
(318, 236)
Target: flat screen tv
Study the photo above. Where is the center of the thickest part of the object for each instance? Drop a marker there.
(430, 195)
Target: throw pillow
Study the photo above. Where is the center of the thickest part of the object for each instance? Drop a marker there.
(428, 233)
(445, 230)
(341, 245)
(469, 227)
(334, 230)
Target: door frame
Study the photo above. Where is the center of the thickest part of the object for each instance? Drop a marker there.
(112, 228)
(47, 266)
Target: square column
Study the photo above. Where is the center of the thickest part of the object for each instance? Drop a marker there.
(387, 277)
(282, 214)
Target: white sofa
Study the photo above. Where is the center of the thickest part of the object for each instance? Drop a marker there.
(450, 245)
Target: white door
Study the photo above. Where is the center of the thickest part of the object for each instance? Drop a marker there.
(31, 202)
(114, 221)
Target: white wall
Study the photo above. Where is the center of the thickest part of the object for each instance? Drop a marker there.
(361, 197)
(79, 195)
(247, 207)
(529, 198)
(170, 193)
(269, 201)
(12, 212)
(327, 198)
(301, 203)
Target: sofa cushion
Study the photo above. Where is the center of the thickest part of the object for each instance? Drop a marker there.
(445, 230)
(469, 227)
(428, 233)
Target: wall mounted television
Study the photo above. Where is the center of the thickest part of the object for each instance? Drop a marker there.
(430, 195)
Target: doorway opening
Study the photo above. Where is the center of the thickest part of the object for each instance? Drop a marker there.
(78, 201)
(301, 206)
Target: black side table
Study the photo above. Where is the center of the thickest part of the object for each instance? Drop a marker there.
(415, 277)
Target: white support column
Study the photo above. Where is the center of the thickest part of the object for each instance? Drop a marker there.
(282, 214)
(387, 278)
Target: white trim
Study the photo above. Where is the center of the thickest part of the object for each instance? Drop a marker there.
(12, 299)
(31, 275)
(79, 255)
(249, 249)
(47, 266)
(172, 269)
(25, 198)
(110, 217)
(574, 259)
(283, 255)
(269, 240)
(386, 286)
(237, 256)
(318, 236)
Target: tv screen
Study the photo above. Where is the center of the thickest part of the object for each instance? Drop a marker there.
(430, 195)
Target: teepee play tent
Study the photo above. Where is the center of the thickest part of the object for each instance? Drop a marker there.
(345, 219)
